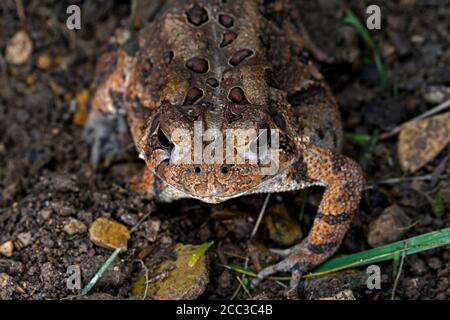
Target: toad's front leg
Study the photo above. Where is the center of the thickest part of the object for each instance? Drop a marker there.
(344, 182)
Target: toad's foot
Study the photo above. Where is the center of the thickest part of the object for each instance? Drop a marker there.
(105, 132)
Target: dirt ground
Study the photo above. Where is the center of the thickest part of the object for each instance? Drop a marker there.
(46, 179)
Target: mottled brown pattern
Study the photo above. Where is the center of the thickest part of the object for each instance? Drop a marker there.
(227, 66)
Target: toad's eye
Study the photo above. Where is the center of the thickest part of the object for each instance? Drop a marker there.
(164, 140)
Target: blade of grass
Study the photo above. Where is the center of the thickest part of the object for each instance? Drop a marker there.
(351, 19)
(409, 246)
(413, 245)
(199, 252)
(381, 70)
(100, 272)
(359, 138)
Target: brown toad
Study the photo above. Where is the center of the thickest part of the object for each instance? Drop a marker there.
(222, 66)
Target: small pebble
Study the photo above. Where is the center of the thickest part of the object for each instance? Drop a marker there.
(151, 229)
(7, 248)
(45, 213)
(19, 48)
(74, 226)
(24, 238)
(44, 61)
(343, 295)
(388, 227)
(436, 95)
(109, 234)
(418, 266)
(5, 279)
(129, 219)
(7, 286)
(434, 263)
(12, 266)
(81, 114)
(417, 39)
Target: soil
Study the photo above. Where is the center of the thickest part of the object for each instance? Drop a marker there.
(46, 179)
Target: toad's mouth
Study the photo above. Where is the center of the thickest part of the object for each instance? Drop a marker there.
(215, 193)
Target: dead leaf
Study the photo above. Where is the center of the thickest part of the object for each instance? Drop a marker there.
(421, 141)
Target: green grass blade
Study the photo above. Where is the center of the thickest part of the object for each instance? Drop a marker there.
(412, 245)
(199, 252)
(351, 19)
(381, 70)
(388, 252)
(100, 272)
(360, 138)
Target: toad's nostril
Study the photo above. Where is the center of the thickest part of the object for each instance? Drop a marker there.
(197, 169)
(224, 169)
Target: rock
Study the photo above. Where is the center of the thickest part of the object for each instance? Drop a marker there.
(62, 209)
(64, 183)
(175, 280)
(19, 48)
(7, 248)
(417, 39)
(74, 226)
(44, 61)
(343, 295)
(45, 213)
(129, 219)
(412, 287)
(151, 229)
(5, 279)
(23, 240)
(434, 263)
(417, 265)
(421, 141)
(11, 266)
(388, 227)
(6, 286)
(436, 94)
(81, 113)
(109, 234)
(282, 228)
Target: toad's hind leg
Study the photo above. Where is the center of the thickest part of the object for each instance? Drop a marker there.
(106, 128)
(344, 181)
